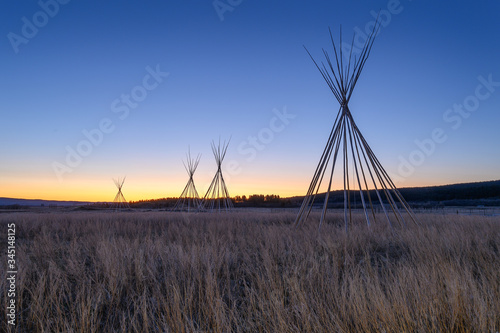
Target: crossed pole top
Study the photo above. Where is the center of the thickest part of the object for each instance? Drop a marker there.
(191, 164)
(119, 184)
(342, 78)
(220, 152)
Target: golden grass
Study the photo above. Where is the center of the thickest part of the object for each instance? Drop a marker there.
(251, 272)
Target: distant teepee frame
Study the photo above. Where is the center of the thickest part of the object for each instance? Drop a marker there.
(189, 199)
(217, 197)
(347, 144)
(120, 202)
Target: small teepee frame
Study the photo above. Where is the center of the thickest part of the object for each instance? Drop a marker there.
(347, 144)
(189, 199)
(119, 202)
(217, 197)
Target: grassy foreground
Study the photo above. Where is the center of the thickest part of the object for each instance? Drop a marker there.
(250, 272)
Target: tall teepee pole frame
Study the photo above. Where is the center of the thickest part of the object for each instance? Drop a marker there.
(217, 197)
(189, 199)
(349, 147)
(119, 202)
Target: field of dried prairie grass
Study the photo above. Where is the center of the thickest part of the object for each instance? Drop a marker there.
(250, 272)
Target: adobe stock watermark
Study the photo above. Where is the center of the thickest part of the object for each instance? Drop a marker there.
(250, 148)
(385, 16)
(454, 117)
(31, 26)
(121, 107)
(223, 6)
(253, 144)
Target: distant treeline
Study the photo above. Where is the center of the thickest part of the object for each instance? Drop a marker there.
(12, 207)
(470, 194)
(260, 200)
(255, 200)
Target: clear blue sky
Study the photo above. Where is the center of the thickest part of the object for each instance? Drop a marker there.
(231, 70)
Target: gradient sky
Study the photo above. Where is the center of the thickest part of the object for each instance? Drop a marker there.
(229, 74)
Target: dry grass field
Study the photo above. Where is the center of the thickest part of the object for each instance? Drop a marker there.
(250, 272)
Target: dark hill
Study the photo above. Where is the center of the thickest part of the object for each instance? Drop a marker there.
(466, 194)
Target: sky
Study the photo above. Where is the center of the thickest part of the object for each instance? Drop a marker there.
(96, 90)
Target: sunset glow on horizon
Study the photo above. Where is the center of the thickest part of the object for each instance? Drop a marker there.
(135, 189)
